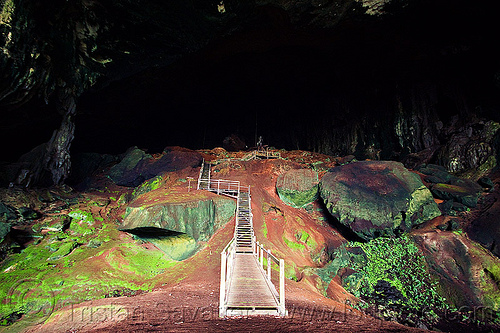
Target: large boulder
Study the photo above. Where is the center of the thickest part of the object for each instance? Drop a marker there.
(485, 227)
(375, 198)
(462, 194)
(128, 171)
(297, 188)
(446, 186)
(138, 166)
(198, 215)
(173, 159)
(468, 274)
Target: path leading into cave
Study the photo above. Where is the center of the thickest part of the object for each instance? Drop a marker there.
(247, 286)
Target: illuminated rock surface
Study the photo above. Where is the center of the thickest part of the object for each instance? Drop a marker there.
(297, 188)
(377, 198)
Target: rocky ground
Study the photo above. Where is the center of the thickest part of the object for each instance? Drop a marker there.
(94, 259)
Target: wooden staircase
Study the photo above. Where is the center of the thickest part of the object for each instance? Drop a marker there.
(246, 286)
(204, 177)
(244, 224)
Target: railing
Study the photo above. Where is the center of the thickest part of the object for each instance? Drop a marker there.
(268, 154)
(261, 153)
(249, 156)
(223, 186)
(239, 218)
(219, 186)
(200, 175)
(226, 270)
(267, 267)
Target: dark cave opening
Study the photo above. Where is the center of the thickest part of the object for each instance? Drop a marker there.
(152, 232)
(299, 87)
(293, 96)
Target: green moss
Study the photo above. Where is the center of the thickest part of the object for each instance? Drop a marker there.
(56, 272)
(178, 247)
(63, 250)
(450, 187)
(308, 240)
(264, 227)
(291, 272)
(148, 186)
(293, 245)
(81, 228)
(395, 260)
(298, 199)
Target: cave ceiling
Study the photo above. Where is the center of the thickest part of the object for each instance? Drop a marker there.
(157, 73)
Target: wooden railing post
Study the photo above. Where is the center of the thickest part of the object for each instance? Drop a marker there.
(253, 245)
(208, 186)
(269, 265)
(222, 295)
(261, 257)
(282, 287)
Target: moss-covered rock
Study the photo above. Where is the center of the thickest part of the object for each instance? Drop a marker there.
(198, 215)
(178, 247)
(137, 166)
(298, 188)
(149, 185)
(377, 198)
(4, 230)
(63, 250)
(126, 172)
(471, 151)
(7, 213)
(468, 274)
(461, 194)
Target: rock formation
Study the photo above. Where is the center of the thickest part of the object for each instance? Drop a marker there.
(377, 198)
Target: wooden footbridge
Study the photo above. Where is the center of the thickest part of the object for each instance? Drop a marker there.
(247, 283)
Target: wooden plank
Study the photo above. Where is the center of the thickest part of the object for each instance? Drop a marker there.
(247, 287)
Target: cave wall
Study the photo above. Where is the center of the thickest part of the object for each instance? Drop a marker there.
(377, 79)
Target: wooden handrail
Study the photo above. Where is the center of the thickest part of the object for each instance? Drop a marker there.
(279, 294)
(223, 186)
(226, 270)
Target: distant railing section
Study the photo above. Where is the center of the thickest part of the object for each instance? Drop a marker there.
(263, 153)
(219, 186)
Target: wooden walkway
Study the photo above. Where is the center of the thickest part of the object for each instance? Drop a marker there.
(248, 287)
(246, 266)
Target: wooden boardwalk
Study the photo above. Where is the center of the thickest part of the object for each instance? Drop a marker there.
(248, 287)
(246, 266)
